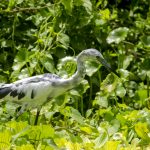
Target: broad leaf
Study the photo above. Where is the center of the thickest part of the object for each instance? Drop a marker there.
(102, 139)
(48, 63)
(101, 100)
(68, 4)
(111, 145)
(120, 91)
(25, 147)
(5, 138)
(91, 68)
(66, 67)
(146, 40)
(109, 84)
(142, 130)
(63, 39)
(117, 35)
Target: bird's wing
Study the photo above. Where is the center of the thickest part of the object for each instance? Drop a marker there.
(4, 90)
(45, 77)
(26, 87)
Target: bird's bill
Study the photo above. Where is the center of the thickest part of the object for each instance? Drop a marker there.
(108, 67)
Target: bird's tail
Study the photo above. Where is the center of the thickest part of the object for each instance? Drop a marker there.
(5, 89)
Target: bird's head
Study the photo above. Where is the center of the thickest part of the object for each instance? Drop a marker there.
(95, 55)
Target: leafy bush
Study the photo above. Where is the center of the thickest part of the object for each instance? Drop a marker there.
(104, 111)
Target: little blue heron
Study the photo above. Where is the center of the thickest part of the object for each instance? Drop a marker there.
(34, 92)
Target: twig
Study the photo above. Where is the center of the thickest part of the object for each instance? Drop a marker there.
(15, 10)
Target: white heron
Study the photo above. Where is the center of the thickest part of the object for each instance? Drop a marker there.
(34, 92)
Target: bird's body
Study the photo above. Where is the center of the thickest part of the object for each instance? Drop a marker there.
(33, 92)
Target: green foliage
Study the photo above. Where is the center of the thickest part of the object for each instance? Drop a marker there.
(105, 111)
(117, 35)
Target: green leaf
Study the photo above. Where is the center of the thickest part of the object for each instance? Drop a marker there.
(66, 67)
(75, 92)
(121, 119)
(24, 73)
(102, 139)
(88, 113)
(109, 84)
(88, 6)
(5, 138)
(63, 39)
(124, 73)
(142, 94)
(114, 127)
(111, 145)
(88, 130)
(68, 4)
(47, 62)
(117, 35)
(127, 60)
(120, 91)
(11, 108)
(25, 147)
(142, 130)
(6, 43)
(146, 64)
(78, 2)
(101, 100)
(82, 87)
(74, 114)
(123, 106)
(40, 132)
(20, 59)
(11, 4)
(60, 100)
(22, 55)
(3, 79)
(91, 68)
(132, 116)
(145, 40)
(19, 1)
(17, 127)
(105, 14)
(46, 131)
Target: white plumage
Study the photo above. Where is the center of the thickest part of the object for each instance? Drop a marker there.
(33, 92)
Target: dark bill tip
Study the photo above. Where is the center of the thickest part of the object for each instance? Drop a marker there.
(108, 67)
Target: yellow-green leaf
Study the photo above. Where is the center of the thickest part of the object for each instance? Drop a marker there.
(86, 129)
(5, 138)
(142, 130)
(111, 145)
(25, 147)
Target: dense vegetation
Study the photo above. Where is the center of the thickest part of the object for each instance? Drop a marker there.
(104, 111)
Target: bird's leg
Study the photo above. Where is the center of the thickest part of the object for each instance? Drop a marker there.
(37, 116)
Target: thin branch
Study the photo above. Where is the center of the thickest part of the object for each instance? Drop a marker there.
(15, 10)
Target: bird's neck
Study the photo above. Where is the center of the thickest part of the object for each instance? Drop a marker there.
(77, 77)
(80, 73)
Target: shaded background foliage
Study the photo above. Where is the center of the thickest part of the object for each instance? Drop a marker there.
(36, 35)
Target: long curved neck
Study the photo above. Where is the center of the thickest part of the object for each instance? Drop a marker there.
(78, 76)
(80, 73)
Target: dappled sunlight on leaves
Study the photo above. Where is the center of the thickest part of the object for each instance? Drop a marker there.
(117, 35)
(105, 111)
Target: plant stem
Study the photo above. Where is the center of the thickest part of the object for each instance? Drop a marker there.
(148, 86)
(13, 34)
(90, 95)
(82, 110)
(76, 104)
(100, 79)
